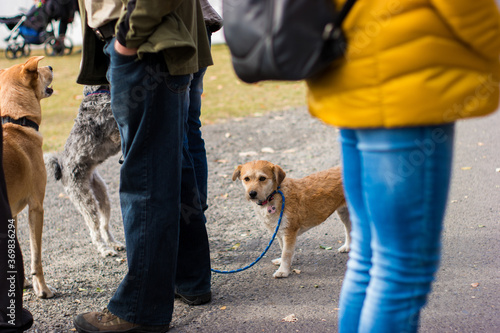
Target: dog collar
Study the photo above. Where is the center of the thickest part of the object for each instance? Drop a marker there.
(21, 121)
(268, 199)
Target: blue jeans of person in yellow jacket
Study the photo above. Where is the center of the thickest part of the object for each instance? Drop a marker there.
(396, 183)
(166, 238)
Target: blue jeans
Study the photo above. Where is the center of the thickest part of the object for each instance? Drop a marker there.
(167, 243)
(396, 183)
(193, 139)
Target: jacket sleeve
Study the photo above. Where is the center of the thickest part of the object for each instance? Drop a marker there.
(141, 18)
(475, 22)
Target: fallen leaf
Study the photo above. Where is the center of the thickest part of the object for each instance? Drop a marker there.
(475, 284)
(466, 168)
(481, 226)
(325, 247)
(82, 289)
(316, 286)
(290, 318)
(223, 307)
(234, 247)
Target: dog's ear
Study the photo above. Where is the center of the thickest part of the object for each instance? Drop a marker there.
(279, 174)
(237, 173)
(30, 67)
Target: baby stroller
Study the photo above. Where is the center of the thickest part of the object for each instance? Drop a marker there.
(34, 28)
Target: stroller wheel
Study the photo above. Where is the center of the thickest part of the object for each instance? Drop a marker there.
(53, 47)
(13, 51)
(58, 47)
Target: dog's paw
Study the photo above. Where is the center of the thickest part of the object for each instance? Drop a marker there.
(43, 292)
(117, 246)
(106, 251)
(276, 261)
(279, 274)
(344, 248)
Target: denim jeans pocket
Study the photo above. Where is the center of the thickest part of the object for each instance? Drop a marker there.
(118, 58)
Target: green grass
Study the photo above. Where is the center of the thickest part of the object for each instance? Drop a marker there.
(224, 97)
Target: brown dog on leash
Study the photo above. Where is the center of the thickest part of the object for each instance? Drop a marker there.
(309, 201)
(21, 89)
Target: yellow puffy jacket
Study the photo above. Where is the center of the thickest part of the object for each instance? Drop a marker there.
(412, 63)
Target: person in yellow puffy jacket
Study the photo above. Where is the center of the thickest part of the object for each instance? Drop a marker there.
(411, 69)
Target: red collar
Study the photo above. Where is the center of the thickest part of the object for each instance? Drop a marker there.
(268, 199)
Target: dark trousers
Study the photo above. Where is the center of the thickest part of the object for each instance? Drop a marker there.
(167, 242)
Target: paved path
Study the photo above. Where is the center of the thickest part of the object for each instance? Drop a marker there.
(466, 296)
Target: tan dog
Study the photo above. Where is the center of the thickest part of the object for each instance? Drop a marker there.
(309, 201)
(21, 89)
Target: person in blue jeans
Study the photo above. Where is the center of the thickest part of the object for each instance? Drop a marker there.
(396, 183)
(411, 70)
(150, 72)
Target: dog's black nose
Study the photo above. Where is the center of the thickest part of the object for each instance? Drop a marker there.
(50, 67)
(252, 194)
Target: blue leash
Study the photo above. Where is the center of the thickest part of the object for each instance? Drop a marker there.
(268, 246)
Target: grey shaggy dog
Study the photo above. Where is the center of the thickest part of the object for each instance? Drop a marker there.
(93, 138)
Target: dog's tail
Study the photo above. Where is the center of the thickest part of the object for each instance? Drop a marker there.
(52, 165)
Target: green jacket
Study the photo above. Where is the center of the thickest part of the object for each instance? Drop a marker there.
(174, 27)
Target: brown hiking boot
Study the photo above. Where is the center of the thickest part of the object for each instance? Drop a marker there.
(106, 322)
